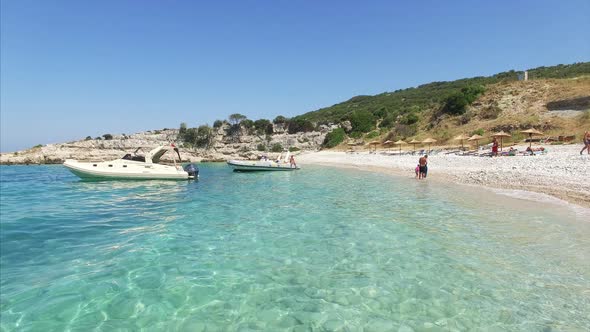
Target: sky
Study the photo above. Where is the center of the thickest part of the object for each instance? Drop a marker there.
(71, 69)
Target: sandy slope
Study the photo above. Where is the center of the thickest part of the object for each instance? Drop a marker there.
(562, 172)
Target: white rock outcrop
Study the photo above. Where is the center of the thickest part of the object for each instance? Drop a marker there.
(223, 147)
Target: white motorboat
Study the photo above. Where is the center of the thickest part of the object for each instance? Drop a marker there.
(135, 167)
(285, 162)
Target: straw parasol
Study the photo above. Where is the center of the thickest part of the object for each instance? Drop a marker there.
(532, 132)
(475, 138)
(501, 134)
(429, 141)
(374, 143)
(400, 142)
(461, 138)
(414, 142)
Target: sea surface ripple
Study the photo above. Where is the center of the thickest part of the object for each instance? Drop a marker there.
(319, 249)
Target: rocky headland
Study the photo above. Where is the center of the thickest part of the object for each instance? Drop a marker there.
(222, 147)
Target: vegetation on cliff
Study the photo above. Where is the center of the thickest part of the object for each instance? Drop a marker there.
(393, 115)
(452, 96)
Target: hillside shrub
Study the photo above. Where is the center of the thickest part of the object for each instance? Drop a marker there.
(263, 126)
(88, 138)
(388, 121)
(279, 119)
(490, 112)
(380, 113)
(456, 103)
(107, 137)
(362, 121)
(299, 125)
(334, 138)
(277, 147)
(261, 147)
(472, 92)
(465, 118)
(204, 136)
(372, 134)
(294, 148)
(410, 119)
(479, 132)
(217, 123)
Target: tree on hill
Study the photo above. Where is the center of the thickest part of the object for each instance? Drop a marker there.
(182, 129)
(203, 136)
(299, 125)
(263, 126)
(234, 129)
(456, 104)
(236, 118)
(279, 119)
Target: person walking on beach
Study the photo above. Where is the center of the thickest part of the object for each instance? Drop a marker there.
(586, 140)
(422, 163)
(494, 147)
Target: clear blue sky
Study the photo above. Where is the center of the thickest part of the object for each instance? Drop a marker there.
(70, 69)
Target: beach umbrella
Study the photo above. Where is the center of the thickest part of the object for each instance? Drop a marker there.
(388, 142)
(429, 141)
(400, 142)
(374, 144)
(475, 138)
(501, 134)
(414, 142)
(461, 138)
(531, 132)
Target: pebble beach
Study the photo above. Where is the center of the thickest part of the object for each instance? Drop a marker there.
(562, 172)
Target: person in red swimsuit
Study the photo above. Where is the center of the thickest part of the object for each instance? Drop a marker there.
(495, 147)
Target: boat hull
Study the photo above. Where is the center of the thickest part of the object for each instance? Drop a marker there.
(116, 171)
(257, 166)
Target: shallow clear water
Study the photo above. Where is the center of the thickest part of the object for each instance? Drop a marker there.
(318, 249)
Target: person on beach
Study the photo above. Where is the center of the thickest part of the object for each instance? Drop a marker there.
(417, 170)
(586, 140)
(494, 147)
(292, 162)
(422, 163)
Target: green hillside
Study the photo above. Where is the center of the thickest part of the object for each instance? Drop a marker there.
(406, 107)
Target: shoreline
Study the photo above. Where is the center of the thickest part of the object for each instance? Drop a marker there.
(560, 174)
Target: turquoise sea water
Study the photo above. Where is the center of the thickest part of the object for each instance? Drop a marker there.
(319, 249)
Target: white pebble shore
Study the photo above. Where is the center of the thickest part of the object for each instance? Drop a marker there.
(562, 172)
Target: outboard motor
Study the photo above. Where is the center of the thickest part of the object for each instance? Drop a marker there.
(192, 170)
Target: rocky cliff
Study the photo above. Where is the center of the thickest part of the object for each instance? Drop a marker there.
(223, 146)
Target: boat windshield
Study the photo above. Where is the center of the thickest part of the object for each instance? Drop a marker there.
(158, 154)
(134, 158)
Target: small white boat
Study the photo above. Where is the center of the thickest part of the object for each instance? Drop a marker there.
(134, 167)
(284, 162)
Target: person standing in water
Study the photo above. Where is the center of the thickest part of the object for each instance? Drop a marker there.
(423, 164)
(292, 162)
